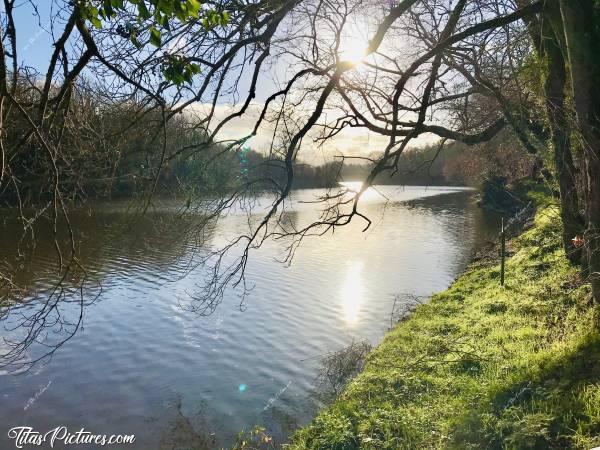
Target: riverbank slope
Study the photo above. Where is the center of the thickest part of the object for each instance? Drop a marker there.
(481, 366)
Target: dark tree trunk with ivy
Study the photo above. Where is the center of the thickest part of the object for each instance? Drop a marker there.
(555, 80)
(580, 21)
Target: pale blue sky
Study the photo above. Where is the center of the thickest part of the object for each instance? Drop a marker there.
(34, 43)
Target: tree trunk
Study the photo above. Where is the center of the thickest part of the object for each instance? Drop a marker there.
(554, 91)
(581, 36)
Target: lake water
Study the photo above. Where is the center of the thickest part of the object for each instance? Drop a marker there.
(144, 365)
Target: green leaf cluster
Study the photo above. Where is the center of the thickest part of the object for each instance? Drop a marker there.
(159, 13)
(179, 70)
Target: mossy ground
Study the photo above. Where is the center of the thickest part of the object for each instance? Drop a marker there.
(481, 366)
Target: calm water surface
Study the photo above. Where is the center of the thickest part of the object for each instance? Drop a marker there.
(142, 364)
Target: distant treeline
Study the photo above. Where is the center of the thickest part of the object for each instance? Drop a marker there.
(113, 148)
(499, 161)
(120, 148)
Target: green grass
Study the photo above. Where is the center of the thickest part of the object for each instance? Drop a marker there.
(481, 366)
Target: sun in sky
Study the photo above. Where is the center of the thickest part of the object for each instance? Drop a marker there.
(354, 43)
(353, 53)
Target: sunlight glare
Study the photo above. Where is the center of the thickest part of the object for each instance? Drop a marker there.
(352, 292)
(354, 186)
(354, 55)
(354, 45)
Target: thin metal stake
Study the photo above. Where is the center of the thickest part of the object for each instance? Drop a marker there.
(502, 252)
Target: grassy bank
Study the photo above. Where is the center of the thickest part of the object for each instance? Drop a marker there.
(481, 366)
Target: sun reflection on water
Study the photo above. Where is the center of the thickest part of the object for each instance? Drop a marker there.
(352, 292)
(355, 186)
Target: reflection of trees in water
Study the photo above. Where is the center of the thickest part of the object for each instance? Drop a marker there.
(196, 432)
(154, 241)
(180, 434)
(43, 309)
(485, 223)
(338, 368)
(164, 244)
